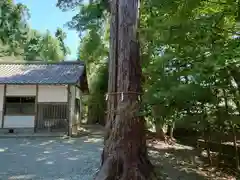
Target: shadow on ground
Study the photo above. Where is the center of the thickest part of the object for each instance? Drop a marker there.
(50, 158)
(79, 159)
(179, 162)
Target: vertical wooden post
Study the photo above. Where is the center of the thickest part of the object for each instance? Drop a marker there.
(36, 109)
(69, 111)
(80, 107)
(4, 103)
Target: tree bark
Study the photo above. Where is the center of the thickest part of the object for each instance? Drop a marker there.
(235, 147)
(159, 120)
(170, 130)
(124, 155)
(159, 129)
(207, 138)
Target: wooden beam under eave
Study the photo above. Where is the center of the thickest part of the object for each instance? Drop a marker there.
(4, 104)
(36, 109)
(69, 120)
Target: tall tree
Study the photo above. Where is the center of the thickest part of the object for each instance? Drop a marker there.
(94, 53)
(51, 48)
(19, 41)
(125, 153)
(61, 36)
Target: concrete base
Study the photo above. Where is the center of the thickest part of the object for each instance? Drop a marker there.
(16, 130)
(85, 130)
(28, 132)
(36, 135)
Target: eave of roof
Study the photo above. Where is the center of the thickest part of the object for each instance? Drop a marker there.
(47, 73)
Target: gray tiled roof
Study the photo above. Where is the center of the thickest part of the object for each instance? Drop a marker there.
(41, 73)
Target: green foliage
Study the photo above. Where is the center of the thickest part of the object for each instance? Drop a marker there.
(190, 62)
(61, 36)
(91, 15)
(93, 51)
(96, 101)
(92, 48)
(190, 57)
(19, 40)
(51, 48)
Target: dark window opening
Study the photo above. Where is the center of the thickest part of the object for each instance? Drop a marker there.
(52, 115)
(28, 100)
(13, 99)
(19, 105)
(77, 107)
(54, 111)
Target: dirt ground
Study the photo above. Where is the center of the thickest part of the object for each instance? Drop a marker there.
(180, 162)
(175, 162)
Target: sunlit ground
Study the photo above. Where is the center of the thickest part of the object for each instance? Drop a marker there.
(49, 158)
(79, 158)
(180, 162)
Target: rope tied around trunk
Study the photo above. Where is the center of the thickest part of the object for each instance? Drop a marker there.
(129, 109)
(122, 94)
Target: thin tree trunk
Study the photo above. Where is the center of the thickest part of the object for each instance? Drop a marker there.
(233, 130)
(159, 122)
(159, 129)
(220, 156)
(237, 102)
(220, 136)
(207, 135)
(125, 154)
(170, 130)
(207, 139)
(235, 147)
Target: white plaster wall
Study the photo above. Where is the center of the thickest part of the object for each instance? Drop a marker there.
(21, 90)
(19, 121)
(1, 97)
(52, 93)
(78, 93)
(72, 118)
(1, 103)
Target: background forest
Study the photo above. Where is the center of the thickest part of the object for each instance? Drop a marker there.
(19, 42)
(190, 61)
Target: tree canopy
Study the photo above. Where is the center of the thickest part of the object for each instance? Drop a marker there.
(18, 41)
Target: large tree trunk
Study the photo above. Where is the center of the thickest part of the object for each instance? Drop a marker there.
(125, 153)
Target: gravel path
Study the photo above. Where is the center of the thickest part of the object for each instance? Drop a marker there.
(49, 158)
(79, 159)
